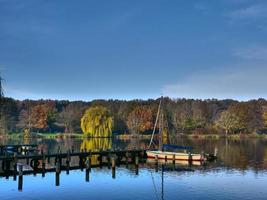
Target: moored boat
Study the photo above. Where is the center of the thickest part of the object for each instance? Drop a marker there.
(167, 155)
(169, 152)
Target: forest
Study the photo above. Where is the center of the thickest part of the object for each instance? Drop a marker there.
(182, 116)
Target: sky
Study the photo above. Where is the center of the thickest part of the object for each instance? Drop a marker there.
(125, 49)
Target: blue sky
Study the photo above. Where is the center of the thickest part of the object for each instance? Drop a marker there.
(124, 49)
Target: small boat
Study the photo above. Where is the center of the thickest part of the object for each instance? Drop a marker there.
(169, 152)
(167, 155)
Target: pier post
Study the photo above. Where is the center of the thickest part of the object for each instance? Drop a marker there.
(58, 150)
(156, 163)
(43, 166)
(113, 163)
(88, 169)
(48, 157)
(173, 159)
(81, 162)
(58, 173)
(20, 183)
(15, 166)
(136, 165)
(126, 159)
(68, 163)
(100, 160)
(72, 149)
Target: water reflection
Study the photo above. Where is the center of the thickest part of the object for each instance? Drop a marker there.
(238, 154)
(96, 144)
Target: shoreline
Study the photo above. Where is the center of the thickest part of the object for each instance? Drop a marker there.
(128, 136)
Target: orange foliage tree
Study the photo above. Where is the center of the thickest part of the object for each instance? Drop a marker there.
(140, 120)
(39, 117)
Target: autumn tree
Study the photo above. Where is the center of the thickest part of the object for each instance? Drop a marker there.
(70, 117)
(140, 120)
(97, 122)
(250, 115)
(228, 121)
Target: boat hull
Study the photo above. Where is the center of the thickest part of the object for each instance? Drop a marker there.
(174, 156)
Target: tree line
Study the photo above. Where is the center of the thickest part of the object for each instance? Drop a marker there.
(182, 116)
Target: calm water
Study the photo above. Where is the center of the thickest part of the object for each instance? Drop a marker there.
(239, 173)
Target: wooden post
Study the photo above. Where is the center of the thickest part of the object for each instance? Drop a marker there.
(173, 159)
(58, 173)
(20, 183)
(113, 163)
(43, 166)
(15, 167)
(81, 162)
(100, 160)
(88, 169)
(156, 163)
(136, 164)
(58, 150)
(68, 163)
(126, 159)
(48, 157)
(166, 159)
(72, 149)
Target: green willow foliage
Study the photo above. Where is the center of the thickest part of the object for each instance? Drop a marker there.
(97, 122)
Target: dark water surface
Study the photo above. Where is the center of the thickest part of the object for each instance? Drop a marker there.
(239, 173)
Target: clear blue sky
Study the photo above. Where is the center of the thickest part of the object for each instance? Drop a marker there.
(125, 49)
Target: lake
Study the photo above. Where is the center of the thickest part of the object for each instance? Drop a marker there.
(239, 173)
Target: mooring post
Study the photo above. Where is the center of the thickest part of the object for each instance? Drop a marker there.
(68, 163)
(57, 173)
(173, 159)
(157, 163)
(113, 163)
(58, 150)
(15, 166)
(100, 159)
(136, 164)
(20, 183)
(126, 159)
(48, 157)
(43, 166)
(72, 149)
(81, 162)
(88, 169)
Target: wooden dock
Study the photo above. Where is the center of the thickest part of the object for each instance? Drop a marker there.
(18, 165)
(43, 162)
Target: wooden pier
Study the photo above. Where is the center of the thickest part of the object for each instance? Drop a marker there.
(62, 161)
(16, 164)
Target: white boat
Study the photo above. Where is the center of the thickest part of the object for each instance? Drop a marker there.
(168, 155)
(162, 153)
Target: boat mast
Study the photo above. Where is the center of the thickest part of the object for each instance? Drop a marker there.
(155, 125)
(161, 127)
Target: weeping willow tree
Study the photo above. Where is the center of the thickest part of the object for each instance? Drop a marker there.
(97, 122)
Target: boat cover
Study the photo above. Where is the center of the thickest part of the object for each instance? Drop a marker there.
(168, 146)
